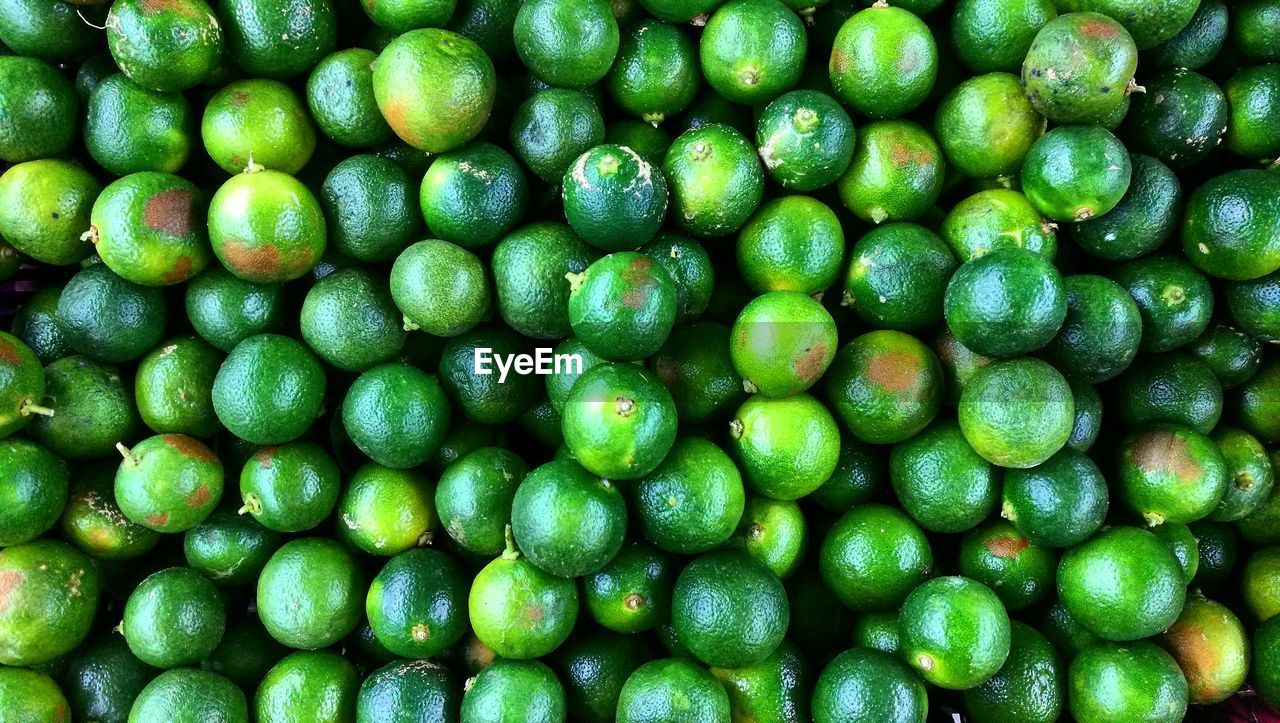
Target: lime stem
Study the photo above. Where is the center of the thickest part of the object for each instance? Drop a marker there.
(29, 407)
(129, 458)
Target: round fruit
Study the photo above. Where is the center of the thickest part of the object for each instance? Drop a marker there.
(955, 632)
(873, 557)
(753, 50)
(1122, 584)
(1135, 681)
(787, 447)
(1017, 412)
(168, 483)
(442, 289)
(716, 180)
(986, 126)
(387, 511)
(897, 277)
(567, 43)
(173, 618)
(896, 173)
(44, 210)
(52, 596)
(309, 593)
(269, 390)
(613, 198)
(693, 501)
(415, 603)
(729, 610)
(1079, 68)
(265, 227)
(884, 62)
(1170, 473)
(473, 195)
(862, 685)
(619, 421)
(1074, 173)
(941, 481)
(567, 521)
(1058, 503)
(519, 611)
(1232, 225)
(806, 140)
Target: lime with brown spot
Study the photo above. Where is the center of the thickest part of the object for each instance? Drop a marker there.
(873, 557)
(941, 481)
(752, 50)
(48, 598)
(1079, 68)
(416, 603)
(165, 46)
(40, 108)
(22, 385)
(623, 306)
(896, 173)
(793, 243)
(806, 140)
(32, 695)
(442, 288)
(986, 126)
(994, 219)
(1170, 473)
(258, 123)
(884, 61)
(266, 227)
(36, 491)
(693, 501)
(786, 447)
(92, 410)
(1075, 173)
(632, 593)
(1260, 583)
(173, 618)
(386, 511)
(998, 555)
(886, 386)
(44, 210)
(519, 611)
(435, 88)
(782, 342)
(1150, 23)
(269, 390)
(897, 277)
(149, 228)
(1250, 476)
(291, 487)
(340, 98)
(955, 632)
(129, 129)
(716, 180)
(168, 483)
(92, 519)
(1058, 503)
(1211, 647)
(1122, 584)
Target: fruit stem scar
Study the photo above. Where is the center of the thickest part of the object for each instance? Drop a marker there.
(624, 406)
(28, 407)
(633, 602)
(880, 4)
(575, 280)
(129, 457)
(91, 235)
(1133, 87)
(736, 428)
(409, 325)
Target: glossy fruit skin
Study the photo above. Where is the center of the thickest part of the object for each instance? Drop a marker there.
(35, 493)
(386, 511)
(1232, 225)
(308, 593)
(716, 180)
(149, 231)
(1260, 583)
(1253, 307)
(1149, 23)
(173, 618)
(170, 48)
(93, 410)
(48, 31)
(255, 412)
(1266, 669)
(994, 35)
(782, 342)
(528, 688)
(226, 310)
(371, 208)
(1174, 299)
(1029, 687)
(1142, 221)
(261, 118)
(793, 243)
(1074, 173)
(52, 601)
(1187, 122)
(1102, 325)
(552, 128)
(109, 318)
(474, 496)
(435, 88)
(619, 421)
(1078, 67)
(752, 50)
(407, 688)
(593, 669)
(442, 288)
(693, 501)
(340, 98)
(567, 521)
(806, 140)
(1250, 474)
(632, 593)
(567, 43)
(671, 689)
(321, 682)
(1006, 303)
(291, 487)
(1252, 93)
(280, 38)
(997, 403)
(955, 632)
(1198, 43)
(1060, 502)
(862, 685)
(712, 616)
(1252, 408)
(1145, 600)
(36, 324)
(994, 219)
(786, 447)
(873, 557)
(689, 266)
(884, 62)
(888, 261)
(885, 385)
(168, 483)
(415, 603)
(896, 173)
(941, 481)
(613, 198)
(42, 204)
(41, 120)
(473, 195)
(22, 384)
(999, 556)
(503, 593)
(696, 367)
(623, 307)
(1211, 648)
(190, 692)
(350, 321)
(530, 265)
(986, 126)
(1170, 473)
(266, 227)
(129, 129)
(1152, 684)
(398, 17)
(103, 679)
(93, 522)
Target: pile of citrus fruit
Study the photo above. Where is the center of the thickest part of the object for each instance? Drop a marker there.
(684, 361)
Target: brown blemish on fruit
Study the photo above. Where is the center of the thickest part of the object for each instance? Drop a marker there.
(181, 271)
(261, 262)
(894, 371)
(533, 613)
(200, 497)
(9, 581)
(396, 114)
(9, 353)
(190, 447)
(266, 456)
(159, 519)
(155, 6)
(839, 61)
(1007, 546)
(1190, 646)
(170, 212)
(239, 98)
(1164, 451)
(809, 366)
(1097, 29)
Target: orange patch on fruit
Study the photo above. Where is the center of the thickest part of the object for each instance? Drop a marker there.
(9, 581)
(894, 371)
(181, 271)
(533, 613)
(190, 447)
(262, 262)
(1164, 451)
(170, 212)
(239, 98)
(159, 519)
(809, 366)
(200, 497)
(266, 456)
(1191, 648)
(9, 353)
(1007, 546)
(1097, 29)
(839, 61)
(396, 114)
(155, 6)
